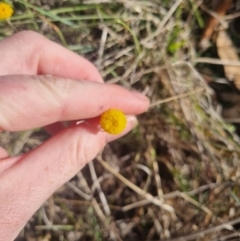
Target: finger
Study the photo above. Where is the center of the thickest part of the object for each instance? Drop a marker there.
(30, 53)
(3, 153)
(94, 124)
(7, 162)
(41, 56)
(48, 167)
(131, 123)
(28, 102)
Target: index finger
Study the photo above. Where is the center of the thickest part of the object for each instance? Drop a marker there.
(27, 102)
(30, 53)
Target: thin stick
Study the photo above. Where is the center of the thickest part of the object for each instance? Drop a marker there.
(98, 186)
(195, 203)
(102, 44)
(97, 208)
(78, 191)
(135, 188)
(194, 236)
(175, 194)
(102, 217)
(159, 102)
(216, 61)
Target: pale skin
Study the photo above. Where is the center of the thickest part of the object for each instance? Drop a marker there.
(42, 84)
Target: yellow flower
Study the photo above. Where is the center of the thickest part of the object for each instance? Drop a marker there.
(6, 11)
(113, 121)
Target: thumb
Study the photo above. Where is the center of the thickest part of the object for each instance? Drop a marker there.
(36, 175)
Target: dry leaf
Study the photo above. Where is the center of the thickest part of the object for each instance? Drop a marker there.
(227, 52)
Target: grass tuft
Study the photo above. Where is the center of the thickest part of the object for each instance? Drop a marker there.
(177, 174)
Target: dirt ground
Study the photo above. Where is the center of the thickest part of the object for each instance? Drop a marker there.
(176, 175)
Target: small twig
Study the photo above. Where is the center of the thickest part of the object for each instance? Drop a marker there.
(83, 203)
(173, 195)
(45, 217)
(176, 194)
(11, 25)
(157, 224)
(232, 16)
(194, 236)
(83, 183)
(96, 207)
(135, 205)
(150, 234)
(79, 192)
(229, 237)
(153, 162)
(149, 173)
(195, 203)
(158, 180)
(54, 227)
(20, 139)
(159, 102)
(98, 186)
(100, 214)
(135, 188)
(216, 61)
(102, 44)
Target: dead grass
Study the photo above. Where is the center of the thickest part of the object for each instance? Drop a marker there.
(176, 176)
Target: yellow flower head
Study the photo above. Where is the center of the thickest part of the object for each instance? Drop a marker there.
(113, 121)
(6, 11)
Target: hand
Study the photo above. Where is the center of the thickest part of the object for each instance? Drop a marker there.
(41, 84)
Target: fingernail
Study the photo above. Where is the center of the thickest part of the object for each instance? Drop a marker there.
(131, 123)
(139, 95)
(132, 120)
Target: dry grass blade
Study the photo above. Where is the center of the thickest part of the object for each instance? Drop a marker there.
(101, 194)
(197, 204)
(169, 196)
(181, 161)
(20, 139)
(216, 61)
(230, 237)
(159, 102)
(135, 188)
(100, 214)
(78, 191)
(194, 236)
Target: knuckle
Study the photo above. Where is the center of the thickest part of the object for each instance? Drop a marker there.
(27, 34)
(58, 86)
(55, 91)
(79, 154)
(82, 147)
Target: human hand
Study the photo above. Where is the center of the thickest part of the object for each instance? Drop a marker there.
(42, 84)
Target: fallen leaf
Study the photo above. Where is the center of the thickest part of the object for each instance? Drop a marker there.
(227, 52)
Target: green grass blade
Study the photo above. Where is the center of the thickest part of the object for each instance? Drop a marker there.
(48, 14)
